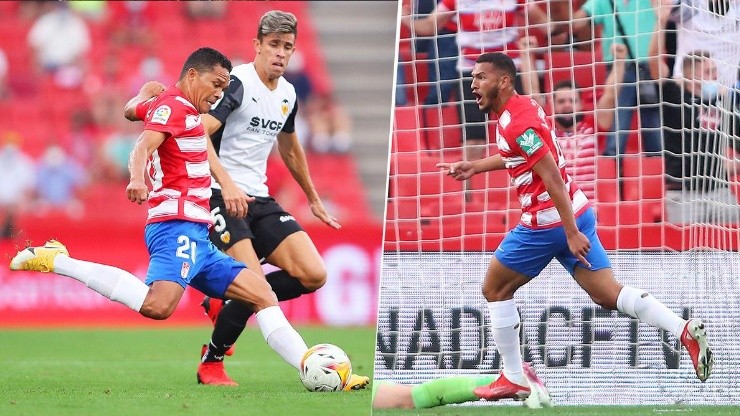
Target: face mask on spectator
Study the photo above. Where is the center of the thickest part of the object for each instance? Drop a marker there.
(567, 120)
(709, 90)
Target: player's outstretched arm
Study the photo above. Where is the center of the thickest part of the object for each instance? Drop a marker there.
(463, 170)
(292, 154)
(148, 90)
(547, 169)
(146, 144)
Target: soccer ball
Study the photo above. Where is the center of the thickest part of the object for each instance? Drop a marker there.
(325, 367)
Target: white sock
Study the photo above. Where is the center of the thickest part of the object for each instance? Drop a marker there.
(281, 336)
(643, 306)
(115, 284)
(505, 324)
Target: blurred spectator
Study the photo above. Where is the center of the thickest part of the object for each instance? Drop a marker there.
(59, 178)
(81, 137)
(206, 9)
(324, 121)
(441, 51)
(30, 10)
(4, 92)
(577, 132)
(107, 94)
(699, 136)
(115, 151)
(331, 126)
(131, 23)
(90, 9)
(60, 39)
(631, 23)
(401, 98)
(151, 67)
(482, 26)
(17, 177)
(560, 13)
(710, 25)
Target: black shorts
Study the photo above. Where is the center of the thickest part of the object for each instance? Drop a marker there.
(266, 224)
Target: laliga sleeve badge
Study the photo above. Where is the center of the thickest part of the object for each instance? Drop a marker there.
(161, 114)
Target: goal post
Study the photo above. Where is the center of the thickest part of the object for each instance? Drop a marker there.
(440, 236)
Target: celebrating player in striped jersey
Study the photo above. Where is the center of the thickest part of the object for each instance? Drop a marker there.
(557, 222)
(173, 151)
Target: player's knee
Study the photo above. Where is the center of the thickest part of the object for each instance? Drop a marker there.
(496, 294)
(157, 310)
(605, 301)
(264, 297)
(312, 277)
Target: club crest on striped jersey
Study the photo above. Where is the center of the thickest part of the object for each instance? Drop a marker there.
(192, 121)
(529, 142)
(284, 107)
(161, 114)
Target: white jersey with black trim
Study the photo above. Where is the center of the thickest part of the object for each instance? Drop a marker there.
(252, 115)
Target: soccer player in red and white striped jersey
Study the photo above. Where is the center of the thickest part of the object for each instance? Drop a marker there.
(173, 152)
(557, 223)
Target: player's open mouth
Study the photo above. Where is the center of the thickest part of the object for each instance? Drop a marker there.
(478, 97)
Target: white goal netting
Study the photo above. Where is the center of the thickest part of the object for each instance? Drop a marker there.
(669, 217)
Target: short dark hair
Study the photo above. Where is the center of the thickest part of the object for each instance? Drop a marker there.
(204, 60)
(499, 61)
(692, 59)
(565, 84)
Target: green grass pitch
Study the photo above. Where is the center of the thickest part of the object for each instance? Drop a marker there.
(152, 372)
(568, 411)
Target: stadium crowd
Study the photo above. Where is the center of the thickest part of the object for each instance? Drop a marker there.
(67, 69)
(612, 75)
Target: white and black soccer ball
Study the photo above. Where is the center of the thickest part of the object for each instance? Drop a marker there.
(325, 367)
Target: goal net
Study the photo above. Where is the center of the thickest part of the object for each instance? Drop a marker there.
(668, 217)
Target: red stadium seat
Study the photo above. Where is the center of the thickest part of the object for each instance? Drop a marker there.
(585, 68)
(441, 126)
(607, 184)
(643, 178)
(406, 141)
(406, 118)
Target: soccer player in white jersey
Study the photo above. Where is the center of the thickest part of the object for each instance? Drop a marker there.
(173, 151)
(257, 110)
(557, 222)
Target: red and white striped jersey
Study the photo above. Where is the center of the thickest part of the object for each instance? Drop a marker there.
(580, 148)
(178, 168)
(485, 26)
(523, 138)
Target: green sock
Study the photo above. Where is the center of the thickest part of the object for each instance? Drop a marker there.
(448, 390)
